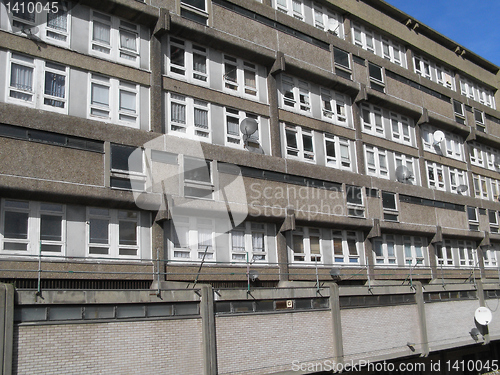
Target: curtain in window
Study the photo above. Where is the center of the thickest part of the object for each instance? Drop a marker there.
(199, 63)
(297, 6)
(100, 94)
(250, 79)
(204, 239)
(101, 32)
(127, 101)
(238, 240)
(233, 127)
(128, 40)
(57, 21)
(180, 237)
(178, 113)
(200, 118)
(21, 77)
(258, 242)
(54, 84)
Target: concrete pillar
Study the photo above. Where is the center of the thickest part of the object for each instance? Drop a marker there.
(422, 322)
(338, 349)
(6, 328)
(208, 330)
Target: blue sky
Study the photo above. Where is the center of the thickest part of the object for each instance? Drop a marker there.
(472, 24)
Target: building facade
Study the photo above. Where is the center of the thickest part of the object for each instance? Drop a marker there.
(273, 147)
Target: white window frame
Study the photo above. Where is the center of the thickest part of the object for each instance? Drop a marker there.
(113, 111)
(447, 258)
(467, 256)
(308, 257)
(208, 186)
(299, 153)
(429, 69)
(401, 129)
(137, 178)
(248, 252)
(372, 118)
(113, 50)
(188, 129)
(490, 256)
(435, 182)
(343, 156)
(354, 209)
(335, 107)
(301, 101)
(409, 162)
(287, 7)
(457, 177)
(34, 242)
(480, 186)
(476, 154)
(57, 36)
(39, 69)
(194, 250)
(237, 140)
(452, 145)
(376, 169)
(413, 256)
(386, 257)
(188, 71)
(347, 256)
(239, 86)
(475, 91)
(326, 19)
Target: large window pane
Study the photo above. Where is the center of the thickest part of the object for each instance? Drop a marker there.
(16, 225)
(99, 232)
(50, 228)
(128, 233)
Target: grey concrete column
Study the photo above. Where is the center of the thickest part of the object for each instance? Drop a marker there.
(338, 348)
(208, 330)
(422, 322)
(6, 328)
(282, 256)
(274, 125)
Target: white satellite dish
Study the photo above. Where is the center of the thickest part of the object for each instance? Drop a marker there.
(249, 126)
(333, 26)
(403, 173)
(462, 188)
(483, 315)
(438, 137)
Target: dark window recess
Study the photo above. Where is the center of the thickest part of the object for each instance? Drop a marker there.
(123, 158)
(354, 195)
(382, 300)
(389, 200)
(371, 192)
(390, 217)
(493, 119)
(449, 296)
(341, 58)
(375, 72)
(198, 4)
(492, 294)
(358, 60)
(193, 16)
(472, 213)
(57, 139)
(482, 211)
(271, 23)
(492, 215)
(431, 203)
(243, 307)
(417, 86)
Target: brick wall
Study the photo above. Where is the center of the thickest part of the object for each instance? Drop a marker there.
(449, 323)
(262, 344)
(118, 348)
(369, 333)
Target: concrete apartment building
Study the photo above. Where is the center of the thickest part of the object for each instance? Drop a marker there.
(244, 187)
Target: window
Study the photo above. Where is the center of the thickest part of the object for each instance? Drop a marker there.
(466, 253)
(384, 250)
(32, 228)
(400, 127)
(327, 20)
(51, 24)
(480, 186)
(376, 77)
(484, 156)
(435, 176)
(490, 255)
(113, 233)
(437, 73)
(376, 162)
(346, 246)
(473, 218)
(295, 94)
(306, 245)
(479, 120)
(187, 60)
(234, 137)
(372, 119)
(444, 253)
(452, 145)
(293, 8)
(114, 39)
(338, 152)
(240, 77)
(493, 220)
(299, 143)
(114, 100)
(389, 206)
(476, 154)
(413, 250)
(342, 63)
(378, 44)
(248, 243)
(354, 199)
(458, 109)
(192, 239)
(198, 178)
(410, 163)
(458, 178)
(334, 107)
(189, 118)
(477, 92)
(127, 170)
(37, 83)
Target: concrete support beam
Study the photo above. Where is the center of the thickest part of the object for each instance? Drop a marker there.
(419, 297)
(6, 328)
(338, 349)
(208, 327)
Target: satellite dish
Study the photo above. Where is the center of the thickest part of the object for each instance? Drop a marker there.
(249, 126)
(483, 315)
(335, 272)
(462, 188)
(333, 26)
(403, 174)
(438, 137)
(253, 275)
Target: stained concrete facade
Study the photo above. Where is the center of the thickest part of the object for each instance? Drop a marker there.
(124, 158)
